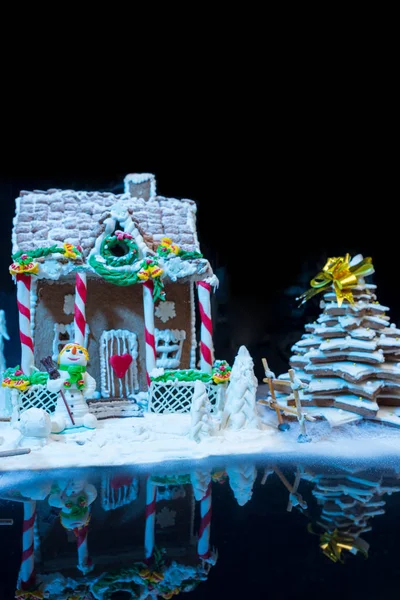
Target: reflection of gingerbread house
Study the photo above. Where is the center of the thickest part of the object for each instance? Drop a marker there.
(118, 513)
(117, 526)
(86, 293)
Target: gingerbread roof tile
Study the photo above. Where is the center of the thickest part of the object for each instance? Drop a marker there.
(44, 218)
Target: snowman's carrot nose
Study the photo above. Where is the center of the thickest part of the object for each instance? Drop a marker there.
(73, 349)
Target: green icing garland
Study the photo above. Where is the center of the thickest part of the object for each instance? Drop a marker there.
(43, 252)
(124, 277)
(183, 375)
(109, 266)
(220, 374)
(171, 479)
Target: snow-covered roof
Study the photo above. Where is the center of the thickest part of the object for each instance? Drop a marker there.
(45, 218)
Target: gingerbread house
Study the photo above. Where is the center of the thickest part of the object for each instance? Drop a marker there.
(77, 256)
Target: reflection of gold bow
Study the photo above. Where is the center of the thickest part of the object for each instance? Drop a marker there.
(33, 595)
(333, 543)
(343, 277)
(169, 595)
(151, 576)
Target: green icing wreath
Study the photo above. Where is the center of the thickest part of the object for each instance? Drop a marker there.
(127, 246)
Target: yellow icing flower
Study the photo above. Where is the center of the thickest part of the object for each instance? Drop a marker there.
(70, 251)
(17, 269)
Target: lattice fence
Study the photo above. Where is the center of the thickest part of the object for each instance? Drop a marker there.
(37, 396)
(176, 396)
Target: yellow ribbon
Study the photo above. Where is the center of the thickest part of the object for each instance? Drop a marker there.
(343, 277)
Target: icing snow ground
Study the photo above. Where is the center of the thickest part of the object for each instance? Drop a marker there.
(162, 439)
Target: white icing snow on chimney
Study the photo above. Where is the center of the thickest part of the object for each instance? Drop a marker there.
(140, 185)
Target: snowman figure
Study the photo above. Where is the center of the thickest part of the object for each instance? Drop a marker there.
(77, 385)
(74, 498)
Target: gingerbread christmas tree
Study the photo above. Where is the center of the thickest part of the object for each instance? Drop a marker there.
(350, 356)
(348, 502)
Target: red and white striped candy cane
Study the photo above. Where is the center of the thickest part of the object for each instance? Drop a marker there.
(206, 331)
(85, 564)
(24, 314)
(148, 307)
(27, 572)
(149, 535)
(203, 544)
(80, 307)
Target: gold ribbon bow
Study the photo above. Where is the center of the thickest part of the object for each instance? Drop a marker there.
(343, 277)
(31, 268)
(70, 251)
(153, 272)
(332, 545)
(151, 576)
(167, 243)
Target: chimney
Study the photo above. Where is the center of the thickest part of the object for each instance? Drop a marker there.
(140, 185)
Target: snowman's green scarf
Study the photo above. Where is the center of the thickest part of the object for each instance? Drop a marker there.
(75, 375)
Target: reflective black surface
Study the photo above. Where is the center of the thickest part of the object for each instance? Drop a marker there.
(284, 531)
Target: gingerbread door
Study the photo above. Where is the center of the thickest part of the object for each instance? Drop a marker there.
(118, 360)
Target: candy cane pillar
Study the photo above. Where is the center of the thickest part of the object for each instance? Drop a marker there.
(206, 341)
(24, 314)
(149, 537)
(80, 307)
(27, 571)
(203, 544)
(85, 564)
(148, 307)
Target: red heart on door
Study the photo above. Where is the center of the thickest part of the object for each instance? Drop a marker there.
(120, 364)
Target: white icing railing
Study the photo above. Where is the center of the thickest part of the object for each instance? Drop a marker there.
(169, 343)
(176, 396)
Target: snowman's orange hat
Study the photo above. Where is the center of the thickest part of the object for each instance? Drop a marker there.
(71, 347)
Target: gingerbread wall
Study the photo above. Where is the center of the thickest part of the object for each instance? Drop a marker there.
(108, 307)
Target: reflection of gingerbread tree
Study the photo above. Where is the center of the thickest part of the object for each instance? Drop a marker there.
(350, 356)
(348, 503)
